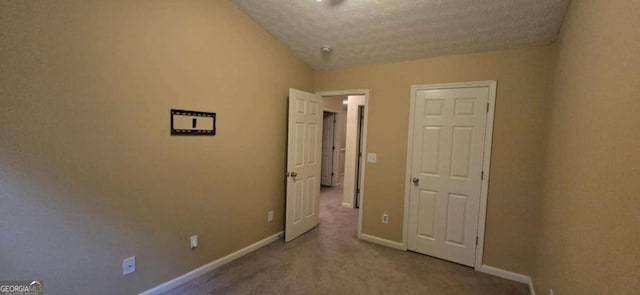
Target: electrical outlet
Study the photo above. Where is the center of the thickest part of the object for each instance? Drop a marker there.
(551, 292)
(128, 265)
(372, 157)
(270, 216)
(385, 218)
(193, 242)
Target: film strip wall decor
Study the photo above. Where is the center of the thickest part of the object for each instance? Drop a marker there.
(185, 122)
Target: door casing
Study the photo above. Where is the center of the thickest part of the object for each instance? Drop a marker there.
(486, 159)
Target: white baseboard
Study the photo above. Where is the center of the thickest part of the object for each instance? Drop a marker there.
(347, 205)
(505, 274)
(164, 287)
(383, 242)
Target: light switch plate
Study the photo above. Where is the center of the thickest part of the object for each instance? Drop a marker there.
(129, 265)
(193, 241)
(372, 157)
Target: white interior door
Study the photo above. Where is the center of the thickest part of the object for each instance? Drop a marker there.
(446, 166)
(328, 147)
(303, 163)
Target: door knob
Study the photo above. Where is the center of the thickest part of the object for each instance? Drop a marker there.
(293, 174)
(415, 180)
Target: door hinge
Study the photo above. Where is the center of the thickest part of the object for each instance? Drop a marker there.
(333, 147)
(331, 173)
(487, 107)
(476, 240)
(482, 175)
(334, 121)
(358, 191)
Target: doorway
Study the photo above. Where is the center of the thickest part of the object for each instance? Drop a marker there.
(350, 109)
(304, 155)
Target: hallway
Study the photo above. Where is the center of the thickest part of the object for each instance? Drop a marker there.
(331, 260)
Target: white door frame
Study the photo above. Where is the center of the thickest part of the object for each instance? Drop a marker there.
(486, 159)
(336, 138)
(364, 92)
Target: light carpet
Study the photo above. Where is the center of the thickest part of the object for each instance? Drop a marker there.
(331, 260)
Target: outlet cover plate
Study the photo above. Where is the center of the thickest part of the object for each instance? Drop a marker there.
(128, 265)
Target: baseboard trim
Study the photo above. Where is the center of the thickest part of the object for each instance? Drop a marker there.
(347, 205)
(383, 242)
(505, 274)
(164, 287)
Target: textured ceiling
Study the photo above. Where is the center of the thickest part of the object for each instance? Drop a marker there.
(377, 31)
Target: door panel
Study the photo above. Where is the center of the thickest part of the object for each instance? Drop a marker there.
(311, 196)
(456, 213)
(461, 152)
(312, 140)
(298, 148)
(303, 163)
(426, 220)
(430, 150)
(447, 150)
(297, 201)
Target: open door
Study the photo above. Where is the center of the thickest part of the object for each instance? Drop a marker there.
(303, 163)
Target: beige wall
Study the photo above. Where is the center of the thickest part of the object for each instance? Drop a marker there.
(88, 172)
(333, 103)
(589, 233)
(524, 79)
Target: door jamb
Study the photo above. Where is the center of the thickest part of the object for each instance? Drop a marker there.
(365, 125)
(486, 158)
(357, 199)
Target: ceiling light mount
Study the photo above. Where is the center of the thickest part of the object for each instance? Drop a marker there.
(325, 49)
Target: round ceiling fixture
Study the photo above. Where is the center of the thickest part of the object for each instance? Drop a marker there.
(326, 49)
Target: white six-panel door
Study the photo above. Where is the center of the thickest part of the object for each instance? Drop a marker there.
(303, 163)
(446, 163)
